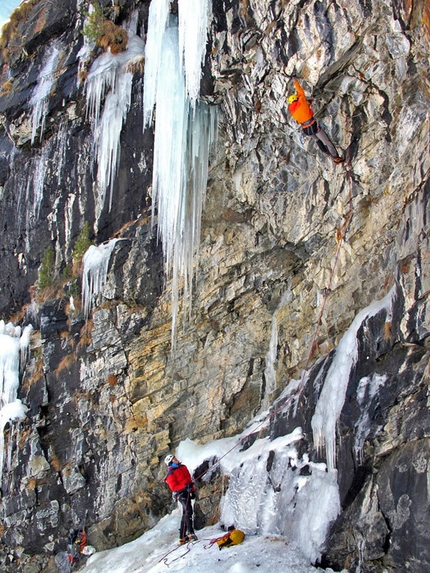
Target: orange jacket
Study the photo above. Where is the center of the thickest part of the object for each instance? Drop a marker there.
(300, 109)
(82, 540)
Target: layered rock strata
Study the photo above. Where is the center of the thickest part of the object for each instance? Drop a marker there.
(286, 236)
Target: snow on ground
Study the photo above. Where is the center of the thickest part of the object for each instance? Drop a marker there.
(157, 552)
(266, 548)
(283, 502)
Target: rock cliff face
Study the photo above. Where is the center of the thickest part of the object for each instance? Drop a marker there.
(292, 245)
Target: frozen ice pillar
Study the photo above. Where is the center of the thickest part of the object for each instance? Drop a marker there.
(13, 345)
(96, 265)
(193, 22)
(185, 130)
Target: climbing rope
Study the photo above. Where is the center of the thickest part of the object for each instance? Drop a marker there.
(165, 558)
(340, 238)
(208, 545)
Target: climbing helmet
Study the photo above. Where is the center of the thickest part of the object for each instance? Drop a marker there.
(292, 98)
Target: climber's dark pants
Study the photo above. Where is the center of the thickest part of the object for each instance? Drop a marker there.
(313, 130)
(187, 514)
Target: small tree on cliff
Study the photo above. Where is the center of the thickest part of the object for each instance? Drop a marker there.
(47, 270)
(103, 31)
(83, 242)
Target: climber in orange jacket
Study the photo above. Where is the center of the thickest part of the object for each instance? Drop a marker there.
(302, 112)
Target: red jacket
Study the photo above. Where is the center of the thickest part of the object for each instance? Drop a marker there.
(300, 109)
(178, 478)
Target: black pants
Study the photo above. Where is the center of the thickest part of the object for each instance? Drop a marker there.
(320, 137)
(187, 514)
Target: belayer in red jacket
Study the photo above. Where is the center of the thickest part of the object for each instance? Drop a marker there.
(302, 112)
(181, 484)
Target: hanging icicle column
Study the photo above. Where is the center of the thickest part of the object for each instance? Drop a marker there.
(185, 131)
(39, 101)
(108, 97)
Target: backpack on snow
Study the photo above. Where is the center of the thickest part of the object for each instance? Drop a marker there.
(233, 537)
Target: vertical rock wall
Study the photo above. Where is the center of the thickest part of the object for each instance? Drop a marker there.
(284, 232)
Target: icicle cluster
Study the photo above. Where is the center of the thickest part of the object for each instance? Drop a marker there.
(108, 94)
(40, 96)
(96, 265)
(185, 130)
(14, 345)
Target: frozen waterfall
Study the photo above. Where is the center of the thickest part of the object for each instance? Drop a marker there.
(333, 393)
(96, 264)
(272, 490)
(185, 131)
(13, 346)
(268, 495)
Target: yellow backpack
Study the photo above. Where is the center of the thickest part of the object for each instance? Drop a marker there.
(233, 537)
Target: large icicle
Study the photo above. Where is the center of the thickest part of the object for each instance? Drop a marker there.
(333, 394)
(158, 18)
(13, 345)
(108, 94)
(169, 143)
(183, 137)
(201, 133)
(108, 132)
(96, 265)
(181, 153)
(272, 353)
(193, 31)
(40, 96)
